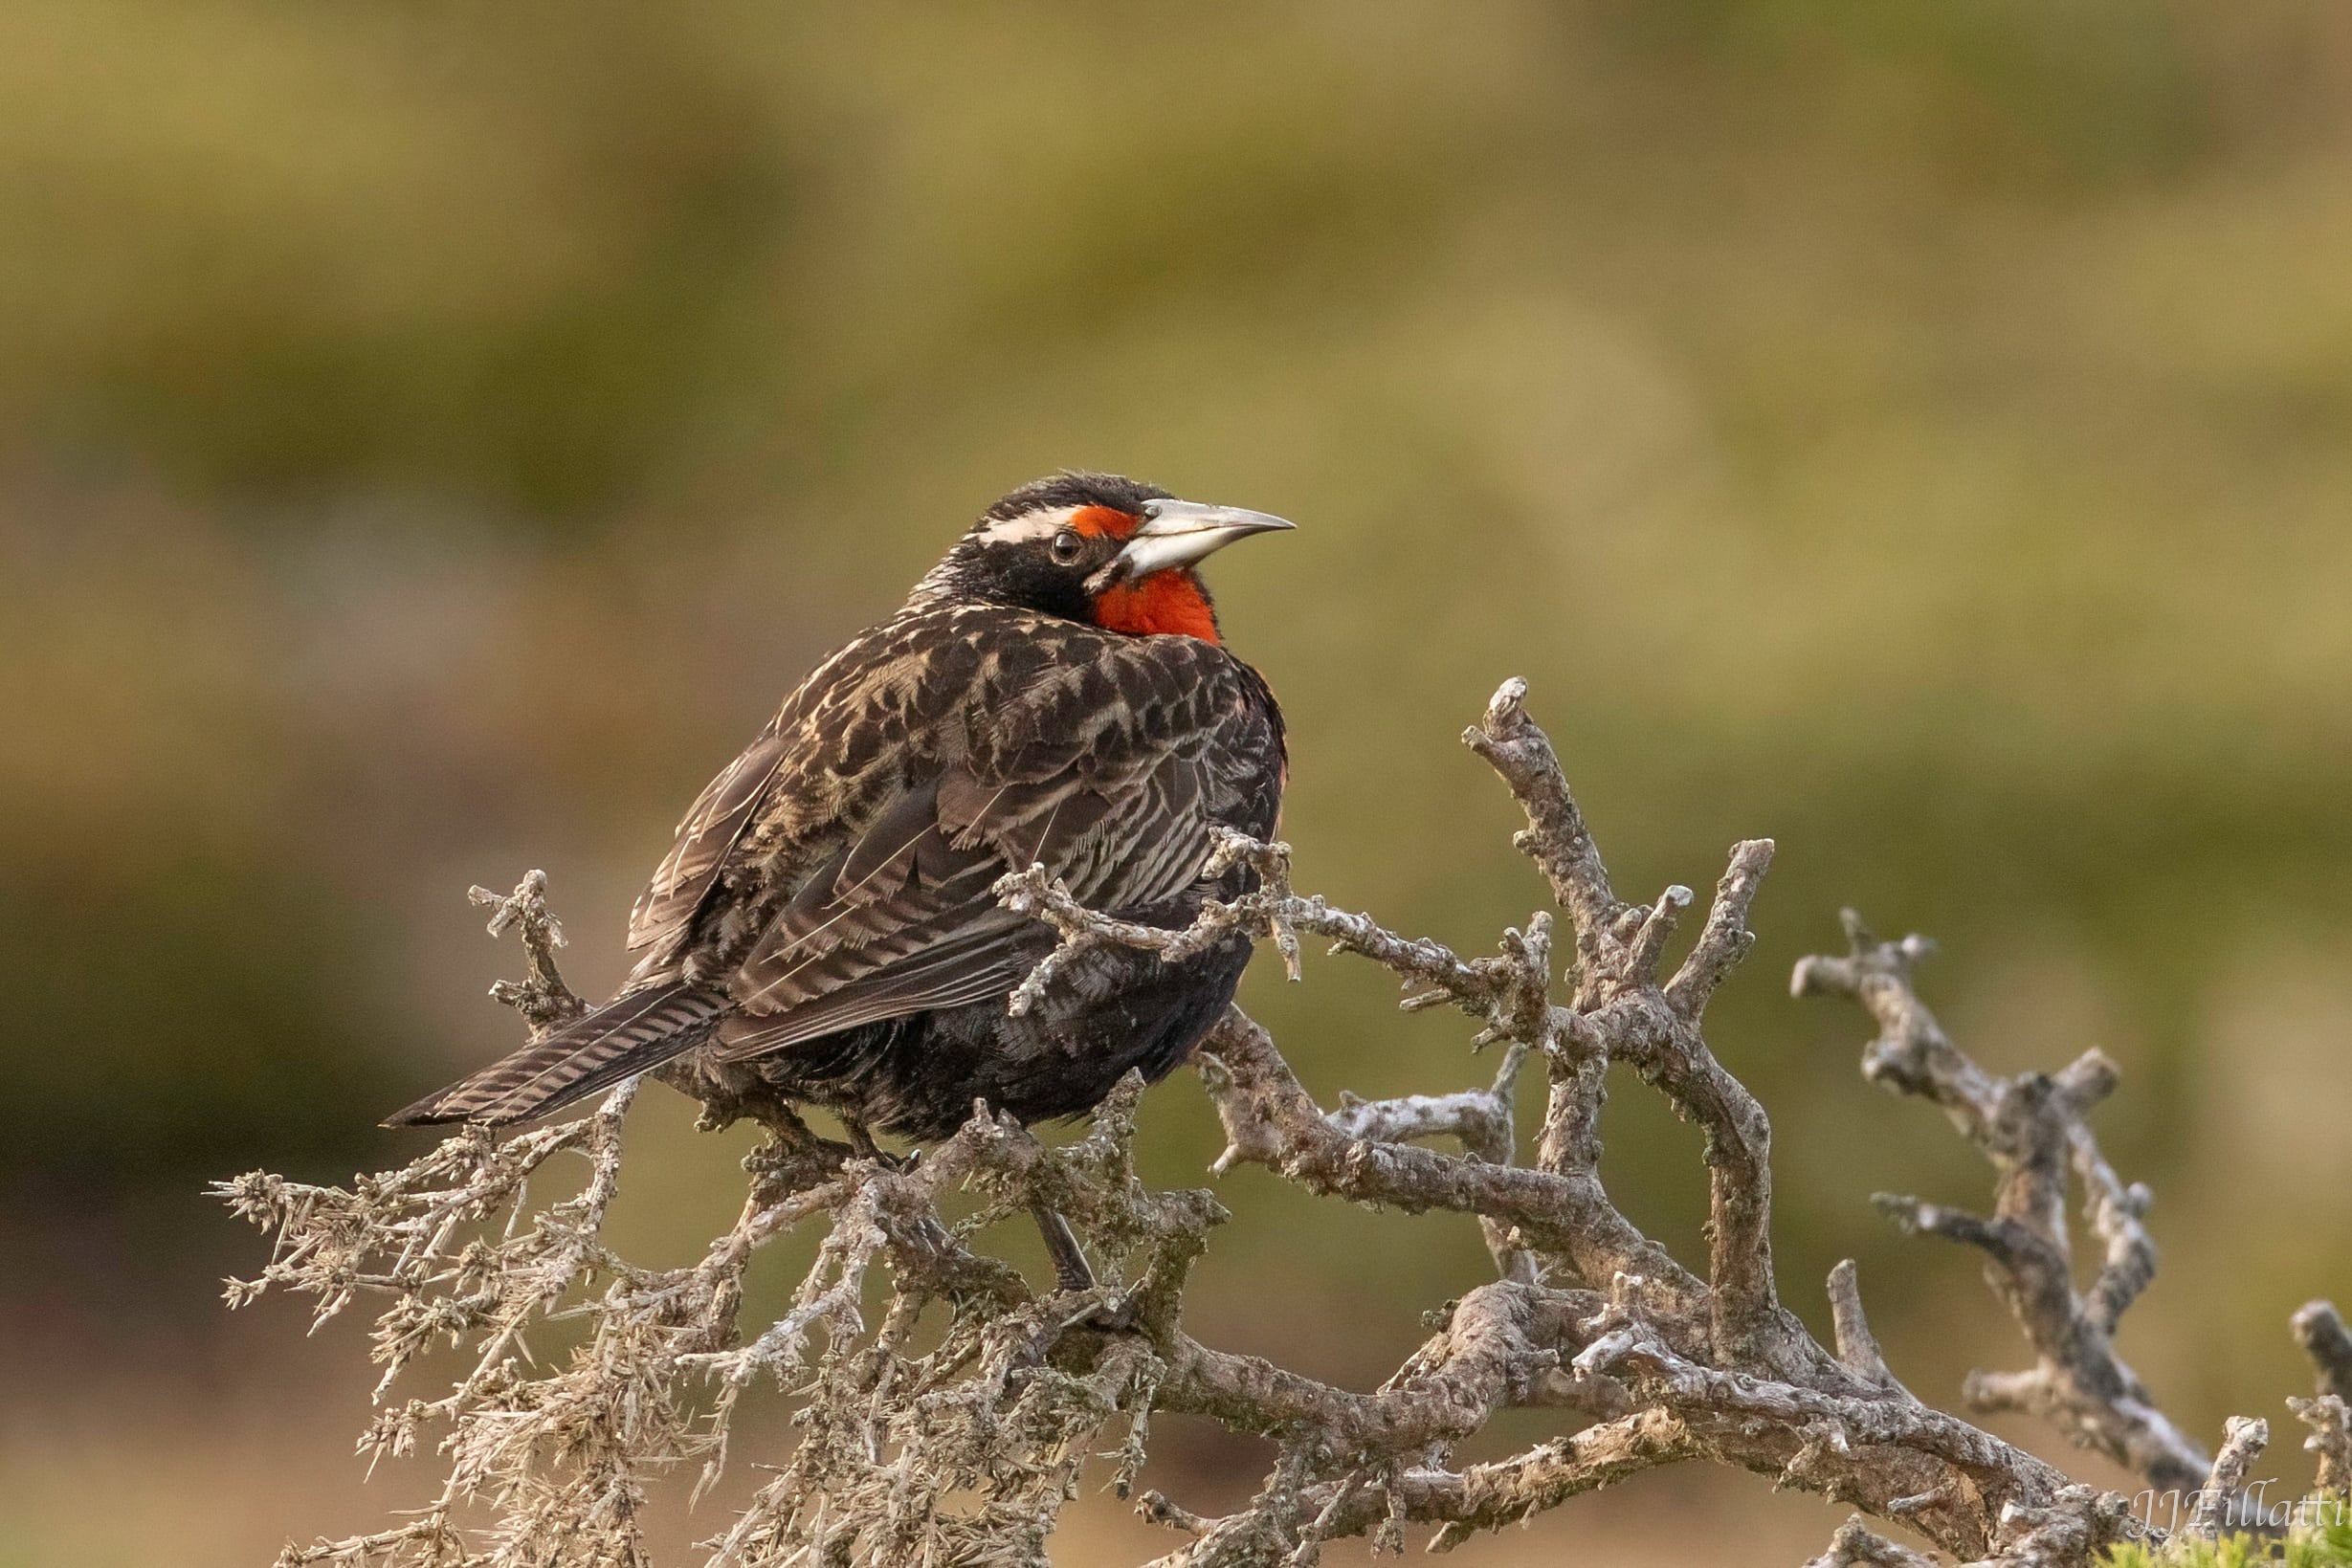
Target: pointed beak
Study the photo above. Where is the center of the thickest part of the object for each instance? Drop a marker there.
(1181, 533)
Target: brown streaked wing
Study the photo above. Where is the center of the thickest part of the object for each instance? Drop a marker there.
(1103, 775)
(831, 758)
(709, 830)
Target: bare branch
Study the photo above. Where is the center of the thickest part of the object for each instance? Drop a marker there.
(1854, 1546)
(1725, 939)
(541, 997)
(1556, 837)
(2330, 1421)
(1271, 1121)
(2031, 1128)
(1856, 1346)
(2246, 1439)
(1657, 924)
(2061, 1534)
(947, 1408)
(2321, 1331)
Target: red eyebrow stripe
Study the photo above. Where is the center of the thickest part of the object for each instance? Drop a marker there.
(1095, 521)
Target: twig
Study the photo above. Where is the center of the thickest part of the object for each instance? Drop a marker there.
(2246, 1439)
(1856, 1546)
(2321, 1333)
(2032, 1129)
(1856, 1346)
(541, 997)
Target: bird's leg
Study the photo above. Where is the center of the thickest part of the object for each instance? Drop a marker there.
(1069, 1267)
(861, 1138)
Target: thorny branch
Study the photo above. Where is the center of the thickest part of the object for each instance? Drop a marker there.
(953, 1422)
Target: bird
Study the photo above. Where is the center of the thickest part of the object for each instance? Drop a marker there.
(1056, 692)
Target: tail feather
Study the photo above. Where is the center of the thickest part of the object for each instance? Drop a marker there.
(625, 1035)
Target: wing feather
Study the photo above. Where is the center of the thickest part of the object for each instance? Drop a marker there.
(706, 838)
(1109, 773)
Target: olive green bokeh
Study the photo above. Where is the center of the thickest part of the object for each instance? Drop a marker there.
(433, 435)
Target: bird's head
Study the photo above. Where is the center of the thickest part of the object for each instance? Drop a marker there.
(1099, 548)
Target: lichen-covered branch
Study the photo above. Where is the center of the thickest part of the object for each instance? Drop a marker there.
(2032, 1127)
(1856, 1346)
(2240, 1448)
(1857, 1546)
(948, 1408)
(540, 996)
(2321, 1331)
(1556, 838)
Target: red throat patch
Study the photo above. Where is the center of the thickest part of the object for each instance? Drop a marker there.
(1168, 603)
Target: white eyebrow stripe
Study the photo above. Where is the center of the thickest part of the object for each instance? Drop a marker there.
(1026, 528)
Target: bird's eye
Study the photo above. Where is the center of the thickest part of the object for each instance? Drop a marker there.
(1067, 548)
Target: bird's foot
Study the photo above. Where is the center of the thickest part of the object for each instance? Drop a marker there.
(861, 1140)
(1071, 1270)
(1113, 1312)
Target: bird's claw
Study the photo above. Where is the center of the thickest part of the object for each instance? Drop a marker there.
(1113, 1312)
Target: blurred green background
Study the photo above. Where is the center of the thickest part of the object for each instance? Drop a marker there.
(434, 435)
